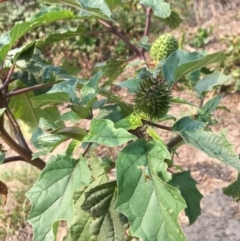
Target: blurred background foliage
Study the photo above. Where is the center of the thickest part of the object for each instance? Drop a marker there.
(84, 52)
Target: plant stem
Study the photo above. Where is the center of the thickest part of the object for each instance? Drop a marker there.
(123, 38)
(157, 125)
(146, 29)
(87, 149)
(24, 153)
(13, 159)
(25, 90)
(201, 102)
(7, 81)
(148, 20)
(17, 131)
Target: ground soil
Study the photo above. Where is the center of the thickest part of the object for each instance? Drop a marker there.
(220, 218)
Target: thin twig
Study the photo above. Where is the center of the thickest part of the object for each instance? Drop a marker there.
(146, 29)
(170, 171)
(25, 90)
(8, 79)
(26, 154)
(122, 37)
(17, 131)
(201, 102)
(87, 149)
(157, 125)
(148, 20)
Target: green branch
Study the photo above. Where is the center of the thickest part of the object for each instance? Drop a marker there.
(123, 38)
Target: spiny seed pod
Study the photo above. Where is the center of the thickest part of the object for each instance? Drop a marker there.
(152, 99)
(163, 46)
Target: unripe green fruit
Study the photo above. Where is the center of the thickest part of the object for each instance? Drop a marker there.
(163, 46)
(152, 99)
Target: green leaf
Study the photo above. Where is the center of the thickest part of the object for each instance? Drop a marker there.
(46, 142)
(233, 190)
(89, 8)
(111, 112)
(175, 60)
(130, 122)
(23, 53)
(144, 43)
(27, 115)
(80, 226)
(153, 134)
(51, 195)
(181, 63)
(215, 145)
(73, 132)
(159, 7)
(179, 100)
(38, 71)
(72, 3)
(68, 86)
(112, 69)
(103, 132)
(39, 153)
(2, 111)
(100, 166)
(107, 223)
(144, 197)
(49, 99)
(81, 111)
(89, 90)
(173, 21)
(43, 140)
(60, 35)
(46, 16)
(113, 3)
(187, 124)
(187, 186)
(208, 108)
(198, 64)
(69, 116)
(207, 83)
(131, 84)
(73, 146)
(167, 117)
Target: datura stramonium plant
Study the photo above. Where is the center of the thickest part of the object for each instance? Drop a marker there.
(163, 46)
(152, 98)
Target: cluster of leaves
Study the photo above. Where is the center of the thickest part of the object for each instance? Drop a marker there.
(139, 193)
